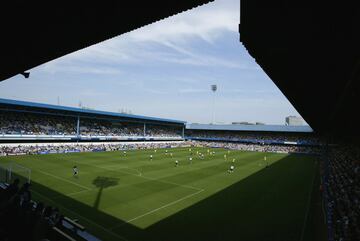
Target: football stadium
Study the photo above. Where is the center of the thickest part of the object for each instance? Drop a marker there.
(83, 174)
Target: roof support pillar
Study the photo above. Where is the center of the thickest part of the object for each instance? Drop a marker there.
(78, 127)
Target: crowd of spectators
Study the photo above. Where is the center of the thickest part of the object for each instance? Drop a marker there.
(264, 148)
(90, 127)
(343, 192)
(301, 138)
(32, 149)
(23, 219)
(21, 123)
(15, 123)
(36, 124)
(163, 131)
(114, 146)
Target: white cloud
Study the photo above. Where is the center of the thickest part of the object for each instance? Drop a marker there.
(193, 90)
(246, 91)
(190, 57)
(207, 23)
(66, 67)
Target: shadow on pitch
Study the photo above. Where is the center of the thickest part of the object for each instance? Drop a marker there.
(269, 205)
(101, 183)
(255, 208)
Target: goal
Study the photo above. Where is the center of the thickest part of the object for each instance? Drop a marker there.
(10, 171)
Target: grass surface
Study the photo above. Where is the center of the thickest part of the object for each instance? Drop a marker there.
(119, 197)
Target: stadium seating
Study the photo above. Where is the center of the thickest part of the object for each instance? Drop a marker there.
(23, 149)
(23, 123)
(30, 124)
(257, 137)
(264, 148)
(342, 192)
(17, 212)
(35, 220)
(30, 149)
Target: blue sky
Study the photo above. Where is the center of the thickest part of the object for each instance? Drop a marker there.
(164, 69)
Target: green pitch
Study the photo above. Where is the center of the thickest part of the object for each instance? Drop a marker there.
(118, 197)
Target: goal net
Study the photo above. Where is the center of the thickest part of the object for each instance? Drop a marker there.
(9, 172)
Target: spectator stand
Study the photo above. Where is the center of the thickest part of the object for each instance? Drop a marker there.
(28, 121)
(65, 229)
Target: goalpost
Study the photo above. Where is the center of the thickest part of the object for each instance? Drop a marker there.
(10, 171)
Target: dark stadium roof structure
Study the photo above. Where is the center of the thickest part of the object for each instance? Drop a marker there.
(76, 111)
(311, 50)
(36, 32)
(256, 128)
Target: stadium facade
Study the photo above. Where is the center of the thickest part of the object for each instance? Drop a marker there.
(24, 121)
(253, 134)
(34, 122)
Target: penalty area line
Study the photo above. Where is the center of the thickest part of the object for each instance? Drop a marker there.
(145, 177)
(78, 192)
(156, 209)
(63, 179)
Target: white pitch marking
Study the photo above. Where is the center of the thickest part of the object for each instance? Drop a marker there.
(149, 178)
(157, 209)
(131, 169)
(63, 179)
(95, 189)
(308, 206)
(76, 193)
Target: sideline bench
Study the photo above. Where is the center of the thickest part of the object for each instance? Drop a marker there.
(63, 235)
(3, 185)
(74, 224)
